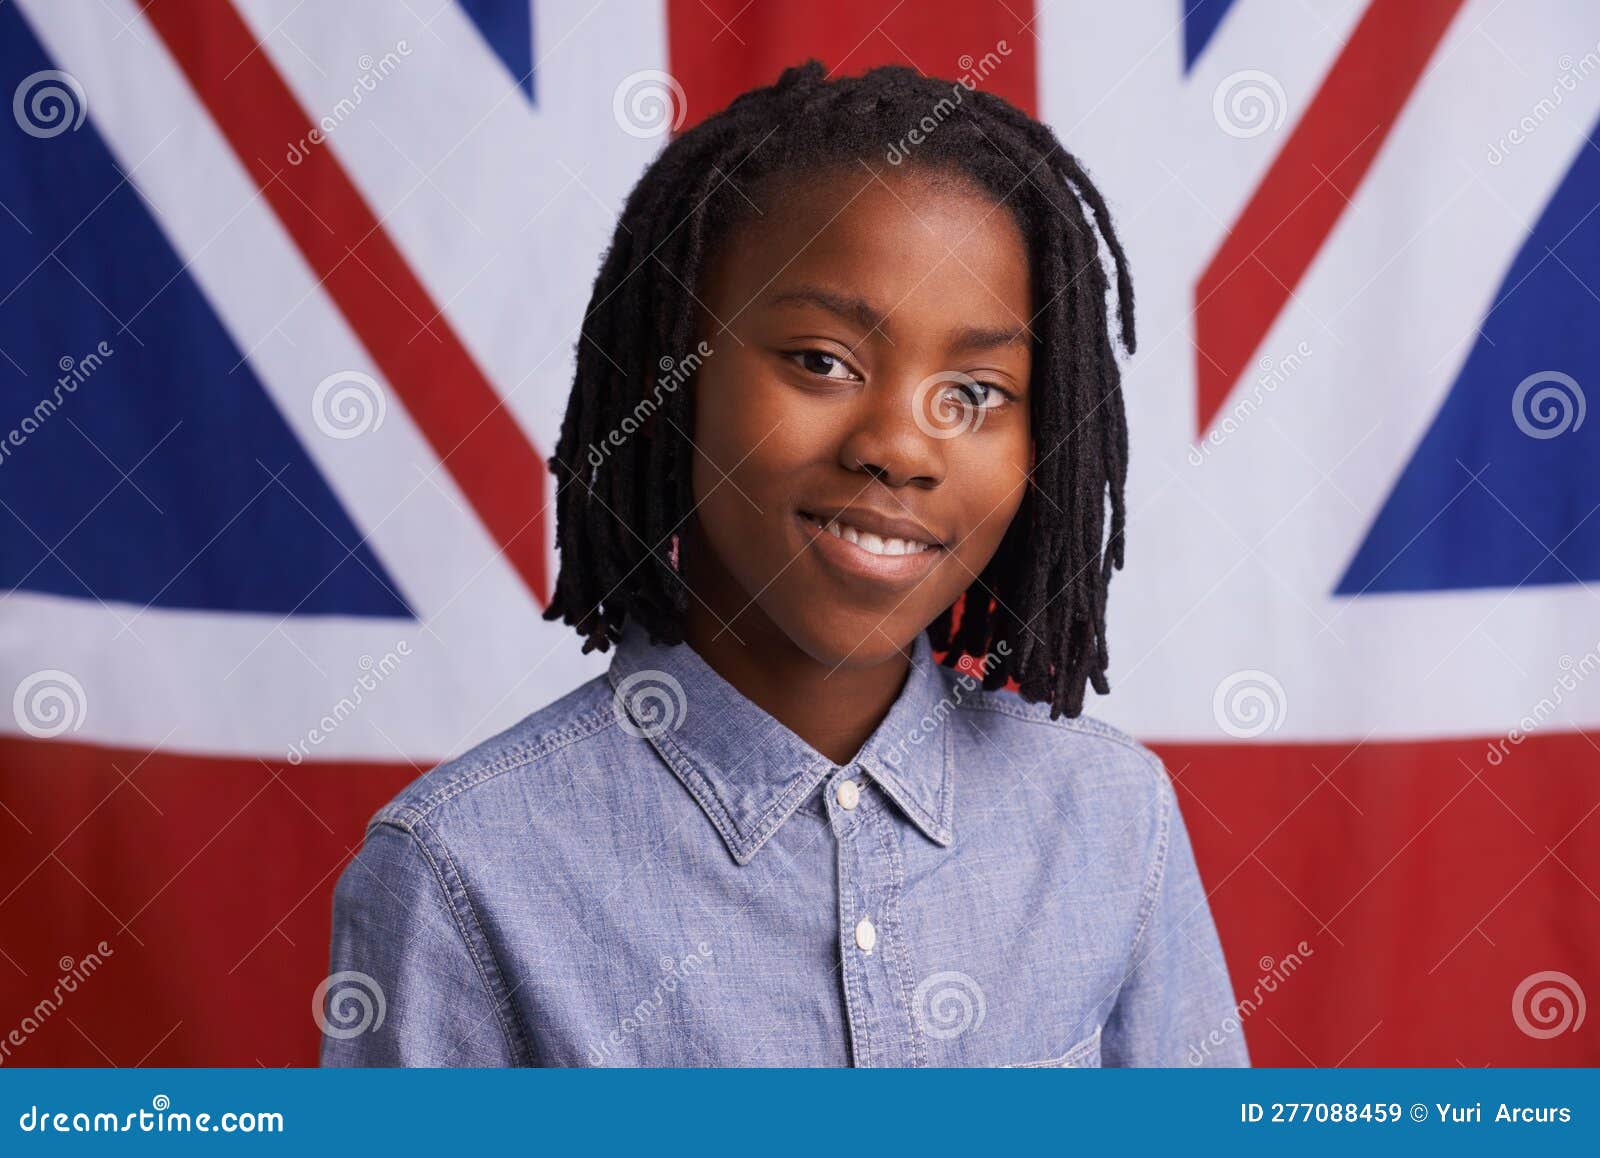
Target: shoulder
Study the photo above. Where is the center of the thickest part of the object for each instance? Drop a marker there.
(1110, 795)
(1079, 746)
(1091, 769)
(540, 745)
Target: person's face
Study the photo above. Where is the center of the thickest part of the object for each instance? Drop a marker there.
(870, 361)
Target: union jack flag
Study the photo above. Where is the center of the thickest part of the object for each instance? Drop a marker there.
(288, 300)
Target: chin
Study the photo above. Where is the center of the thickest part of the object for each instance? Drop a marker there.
(848, 646)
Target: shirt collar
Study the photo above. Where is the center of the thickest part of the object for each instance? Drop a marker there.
(747, 770)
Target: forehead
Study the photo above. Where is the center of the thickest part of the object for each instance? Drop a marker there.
(916, 242)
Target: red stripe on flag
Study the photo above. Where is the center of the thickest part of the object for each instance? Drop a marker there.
(1427, 884)
(458, 411)
(720, 48)
(1425, 896)
(1304, 193)
(210, 881)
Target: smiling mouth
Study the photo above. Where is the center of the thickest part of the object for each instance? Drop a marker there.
(854, 555)
(883, 546)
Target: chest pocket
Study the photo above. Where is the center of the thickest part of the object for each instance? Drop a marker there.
(1084, 1055)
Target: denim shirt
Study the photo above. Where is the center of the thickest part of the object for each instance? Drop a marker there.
(654, 871)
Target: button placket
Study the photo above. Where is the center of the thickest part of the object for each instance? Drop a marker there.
(872, 955)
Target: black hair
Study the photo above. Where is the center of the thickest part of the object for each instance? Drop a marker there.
(1044, 592)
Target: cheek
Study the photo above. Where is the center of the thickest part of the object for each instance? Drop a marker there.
(747, 445)
(754, 425)
(723, 413)
(992, 479)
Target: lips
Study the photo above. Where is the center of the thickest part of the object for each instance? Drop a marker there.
(883, 546)
(864, 521)
(854, 553)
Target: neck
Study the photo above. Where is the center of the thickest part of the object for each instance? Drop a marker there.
(832, 709)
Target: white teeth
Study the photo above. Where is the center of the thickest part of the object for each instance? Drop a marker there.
(874, 544)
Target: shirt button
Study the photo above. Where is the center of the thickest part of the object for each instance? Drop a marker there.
(866, 935)
(848, 794)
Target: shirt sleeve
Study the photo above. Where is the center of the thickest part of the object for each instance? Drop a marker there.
(406, 987)
(1176, 1007)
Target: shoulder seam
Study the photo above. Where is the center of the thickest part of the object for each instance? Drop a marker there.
(494, 988)
(1155, 876)
(586, 725)
(1083, 725)
(1160, 782)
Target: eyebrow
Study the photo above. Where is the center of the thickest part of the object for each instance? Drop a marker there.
(868, 317)
(851, 309)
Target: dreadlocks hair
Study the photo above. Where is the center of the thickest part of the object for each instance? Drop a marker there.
(1044, 592)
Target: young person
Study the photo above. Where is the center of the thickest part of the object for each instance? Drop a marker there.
(844, 399)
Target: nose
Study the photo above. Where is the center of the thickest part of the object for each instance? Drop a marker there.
(887, 441)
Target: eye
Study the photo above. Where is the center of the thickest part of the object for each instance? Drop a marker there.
(824, 364)
(981, 395)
